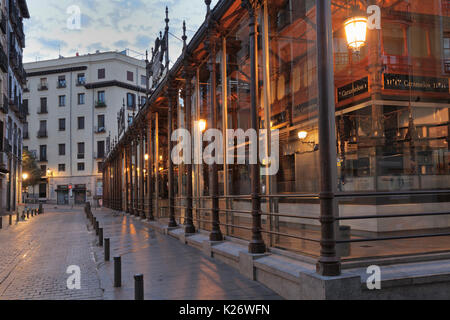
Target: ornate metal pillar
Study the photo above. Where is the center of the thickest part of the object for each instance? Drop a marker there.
(130, 166)
(142, 173)
(329, 263)
(189, 223)
(216, 234)
(257, 243)
(136, 176)
(150, 170)
(127, 174)
(170, 97)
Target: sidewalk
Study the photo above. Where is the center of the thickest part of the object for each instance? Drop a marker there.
(171, 269)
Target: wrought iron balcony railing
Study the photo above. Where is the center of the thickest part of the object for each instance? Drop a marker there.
(42, 134)
(100, 104)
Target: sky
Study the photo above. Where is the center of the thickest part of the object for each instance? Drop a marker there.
(106, 25)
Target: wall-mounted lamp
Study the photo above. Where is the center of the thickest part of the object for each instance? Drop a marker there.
(356, 30)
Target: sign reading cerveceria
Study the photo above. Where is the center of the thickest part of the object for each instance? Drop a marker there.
(353, 89)
(415, 83)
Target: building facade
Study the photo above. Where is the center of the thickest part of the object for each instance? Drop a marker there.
(75, 105)
(357, 96)
(13, 109)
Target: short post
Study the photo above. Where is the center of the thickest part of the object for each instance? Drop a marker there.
(117, 272)
(10, 219)
(138, 287)
(106, 249)
(97, 227)
(1, 222)
(100, 237)
(17, 216)
(28, 214)
(41, 208)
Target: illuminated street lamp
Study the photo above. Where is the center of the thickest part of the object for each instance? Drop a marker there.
(201, 125)
(146, 157)
(356, 30)
(24, 176)
(302, 135)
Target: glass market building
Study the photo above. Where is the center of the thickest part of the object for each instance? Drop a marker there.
(360, 95)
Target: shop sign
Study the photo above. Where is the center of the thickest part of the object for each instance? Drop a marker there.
(415, 83)
(353, 89)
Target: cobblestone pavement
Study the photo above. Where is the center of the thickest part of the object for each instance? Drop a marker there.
(171, 270)
(35, 254)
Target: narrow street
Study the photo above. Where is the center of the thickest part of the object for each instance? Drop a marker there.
(39, 251)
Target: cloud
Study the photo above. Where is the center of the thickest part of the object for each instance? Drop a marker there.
(107, 25)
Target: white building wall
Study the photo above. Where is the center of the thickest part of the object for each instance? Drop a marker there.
(116, 66)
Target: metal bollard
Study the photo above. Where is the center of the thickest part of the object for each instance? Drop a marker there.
(10, 219)
(138, 287)
(117, 272)
(100, 237)
(106, 249)
(28, 214)
(17, 216)
(1, 222)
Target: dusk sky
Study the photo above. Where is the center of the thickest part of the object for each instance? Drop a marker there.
(107, 25)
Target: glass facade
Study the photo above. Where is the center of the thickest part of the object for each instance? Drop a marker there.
(390, 74)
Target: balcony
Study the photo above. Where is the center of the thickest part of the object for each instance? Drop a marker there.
(42, 110)
(42, 134)
(43, 159)
(80, 82)
(14, 105)
(5, 106)
(100, 104)
(3, 23)
(80, 156)
(61, 84)
(3, 59)
(7, 145)
(131, 107)
(99, 129)
(43, 87)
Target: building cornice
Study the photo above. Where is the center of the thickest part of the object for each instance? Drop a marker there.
(55, 71)
(114, 83)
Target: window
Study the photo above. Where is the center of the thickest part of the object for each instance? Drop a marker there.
(81, 166)
(62, 124)
(130, 76)
(62, 149)
(81, 150)
(42, 190)
(81, 98)
(101, 74)
(81, 79)
(99, 167)
(43, 153)
(42, 129)
(43, 84)
(131, 100)
(143, 81)
(101, 123)
(101, 96)
(43, 105)
(80, 123)
(61, 167)
(100, 149)
(62, 101)
(143, 101)
(61, 81)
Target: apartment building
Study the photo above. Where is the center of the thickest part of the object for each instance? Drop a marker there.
(77, 107)
(13, 110)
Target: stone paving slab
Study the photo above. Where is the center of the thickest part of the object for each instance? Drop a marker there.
(172, 270)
